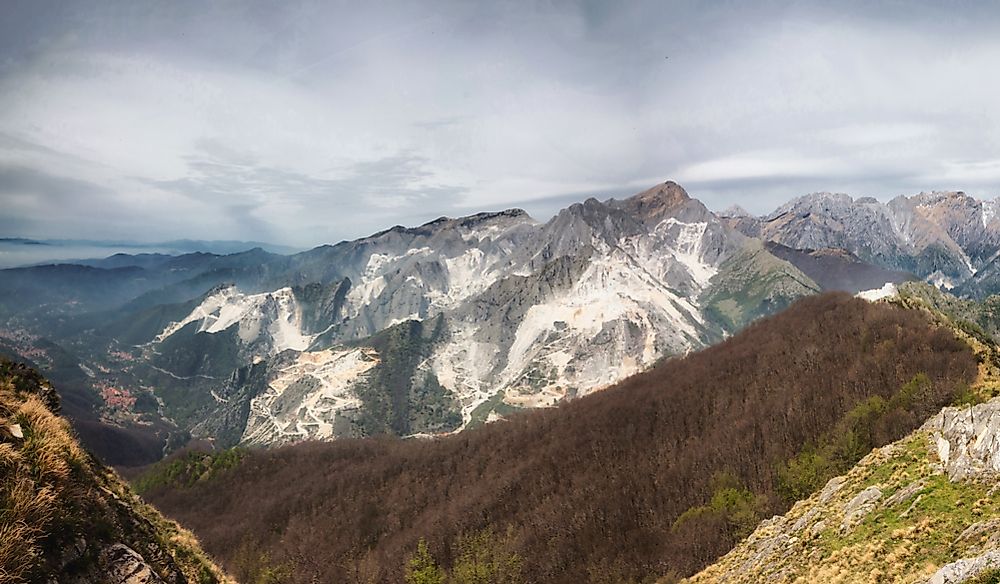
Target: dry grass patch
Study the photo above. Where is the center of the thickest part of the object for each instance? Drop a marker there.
(53, 494)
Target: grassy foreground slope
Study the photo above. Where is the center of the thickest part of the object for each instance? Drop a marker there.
(662, 473)
(66, 518)
(924, 509)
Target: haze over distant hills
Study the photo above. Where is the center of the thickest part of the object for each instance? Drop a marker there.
(20, 251)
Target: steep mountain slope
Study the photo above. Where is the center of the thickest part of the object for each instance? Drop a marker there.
(537, 314)
(948, 238)
(753, 283)
(838, 269)
(128, 442)
(615, 486)
(66, 518)
(923, 509)
(980, 318)
(266, 349)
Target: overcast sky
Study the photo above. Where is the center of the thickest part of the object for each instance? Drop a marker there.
(310, 122)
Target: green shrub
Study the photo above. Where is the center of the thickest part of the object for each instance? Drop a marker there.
(480, 558)
(187, 469)
(867, 425)
(485, 558)
(421, 567)
(732, 502)
(988, 577)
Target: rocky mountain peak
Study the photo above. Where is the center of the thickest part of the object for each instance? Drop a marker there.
(734, 212)
(513, 213)
(815, 202)
(658, 202)
(479, 219)
(448, 227)
(933, 197)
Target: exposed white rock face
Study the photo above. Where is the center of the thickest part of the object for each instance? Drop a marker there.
(861, 505)
(889, 290)
(831, 488)
(122, 565)
(539, 313)
(306, 395)
(625, 296)
(968, 439)
(990, 208)
(416, 273)
(966, 569)
(272, 320)
(614, 321)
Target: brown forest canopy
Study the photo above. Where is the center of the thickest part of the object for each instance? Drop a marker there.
(591, 490)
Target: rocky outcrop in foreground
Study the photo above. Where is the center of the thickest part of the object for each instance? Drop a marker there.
(968, 440)
(922, 510)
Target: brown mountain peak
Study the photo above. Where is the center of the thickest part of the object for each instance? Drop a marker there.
(657, 201)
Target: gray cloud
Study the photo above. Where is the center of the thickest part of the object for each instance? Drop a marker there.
(260, 197)
(31, 182)
(306, 122)
(39, 202)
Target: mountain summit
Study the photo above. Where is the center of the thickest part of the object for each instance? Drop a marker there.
(432, 329)
(656, 203)
(427, 329)
(949, 238)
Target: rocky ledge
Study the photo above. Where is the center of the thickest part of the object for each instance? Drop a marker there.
(925, 509)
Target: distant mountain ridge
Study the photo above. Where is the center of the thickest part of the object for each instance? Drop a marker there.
(838, 269)
(450, 324)
(410, 330)
(949, 238)
(530, 314)
(19, 252)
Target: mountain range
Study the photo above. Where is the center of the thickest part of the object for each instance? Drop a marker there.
(948, 238)
(691, 374)
(21, 251)
(433, 329)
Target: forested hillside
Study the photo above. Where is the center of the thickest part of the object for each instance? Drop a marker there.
(658, 475)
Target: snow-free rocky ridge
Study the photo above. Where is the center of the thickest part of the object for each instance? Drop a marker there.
(948, 238)
(435, 328)
(432, 329)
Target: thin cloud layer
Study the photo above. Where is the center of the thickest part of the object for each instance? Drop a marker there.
(310, 122)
